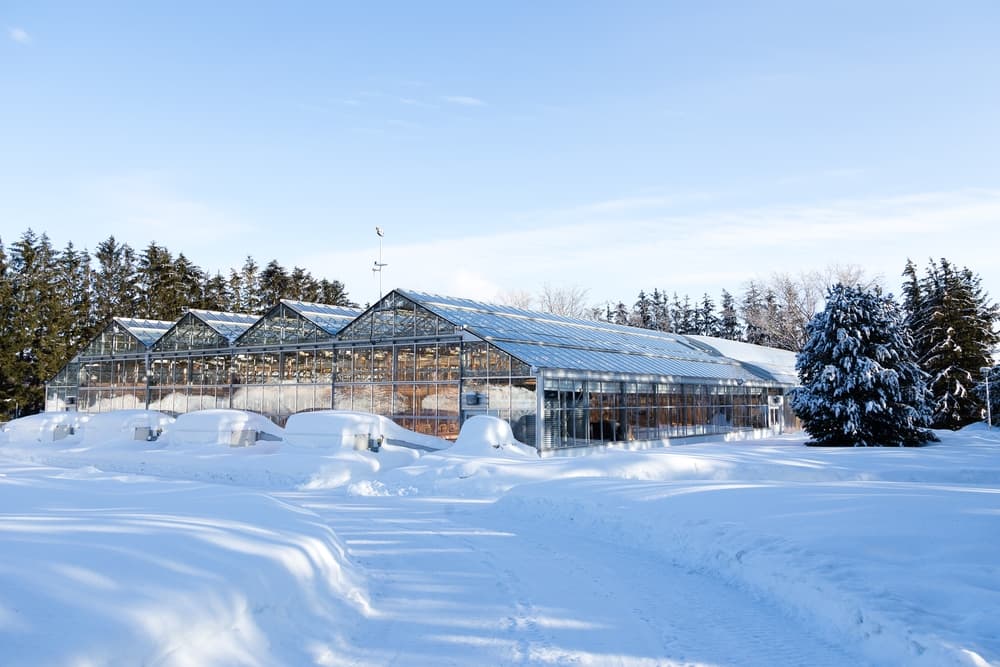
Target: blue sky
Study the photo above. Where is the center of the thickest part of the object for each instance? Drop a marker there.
(606, 146)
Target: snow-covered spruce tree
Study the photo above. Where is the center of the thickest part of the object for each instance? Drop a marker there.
(952, 320)
(861, 385)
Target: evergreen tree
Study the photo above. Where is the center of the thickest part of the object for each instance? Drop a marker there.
(115, 289)
(302, 286)
(159, 292)
(274, 283)
(911, 294)
(729, 321)
(861, 385)
(188, 284)
(247, 297)
(215, 294)
(661, 311)
(36, 316)
(621, 314)
(74, 295)
(706, 322)
(683, 316)
(643, 311)
(952, 320)
(754, 312)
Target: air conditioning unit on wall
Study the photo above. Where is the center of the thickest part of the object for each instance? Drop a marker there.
(775, 401)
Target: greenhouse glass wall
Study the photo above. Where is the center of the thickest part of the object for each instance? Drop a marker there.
(429, 363)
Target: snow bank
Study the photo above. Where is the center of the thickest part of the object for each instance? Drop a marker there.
(121, 425)
(346, 429)
(45, 427)
(221, 427)
(483, 435)
(105, 569)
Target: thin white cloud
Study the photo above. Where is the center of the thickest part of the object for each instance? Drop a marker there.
(464, 101)
(408, 101)
(19, 35)
(614, 251)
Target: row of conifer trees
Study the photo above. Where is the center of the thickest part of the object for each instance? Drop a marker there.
(52, 302)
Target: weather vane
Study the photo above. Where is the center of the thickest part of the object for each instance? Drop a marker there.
(379, 264)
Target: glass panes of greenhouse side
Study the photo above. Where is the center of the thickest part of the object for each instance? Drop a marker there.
(582, 412)
(497, 384)
(414, 384)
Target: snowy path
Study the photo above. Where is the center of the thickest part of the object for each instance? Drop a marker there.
(452, 585)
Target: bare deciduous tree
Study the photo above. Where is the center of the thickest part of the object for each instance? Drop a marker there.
(567, 301)
(783, 304)
(516, 298)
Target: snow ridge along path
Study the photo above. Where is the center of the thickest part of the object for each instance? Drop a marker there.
(452, 584)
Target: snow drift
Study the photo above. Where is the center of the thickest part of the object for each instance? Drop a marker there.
(132, 425)
(222, 427)
(346, 429)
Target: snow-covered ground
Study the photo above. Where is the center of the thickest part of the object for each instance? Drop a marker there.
(302, 546)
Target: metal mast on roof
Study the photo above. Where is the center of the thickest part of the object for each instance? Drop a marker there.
(379, 265)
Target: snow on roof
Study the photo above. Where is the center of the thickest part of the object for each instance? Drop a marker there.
(770, 361)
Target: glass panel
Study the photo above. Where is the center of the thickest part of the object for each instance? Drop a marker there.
(519, 369)
(425, 399)
(405, 363)
(382, 364)
(360, 329)
(499, 362)
(324, 366)
(342, 397)
(474, 360)
(395, 317)
(403, 403)
(449, 361)
(362, 364)
(426, 369)
(426, 323)
(283, 326)
(448, 401)
(345, 365)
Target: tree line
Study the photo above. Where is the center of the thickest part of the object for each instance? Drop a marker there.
(772, 312)
(53, 302)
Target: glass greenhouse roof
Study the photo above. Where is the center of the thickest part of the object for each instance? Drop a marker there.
(146, 332)
(330, 319)
(227, 325)
(557, 342)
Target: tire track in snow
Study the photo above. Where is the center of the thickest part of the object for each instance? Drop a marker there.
(458, 587)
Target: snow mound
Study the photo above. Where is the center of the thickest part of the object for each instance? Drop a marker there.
(222, 427)
(45, 427)
(142, 572)
(124, 425)
(483, 435)
(344, 429)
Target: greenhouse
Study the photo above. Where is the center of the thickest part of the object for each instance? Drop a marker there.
(430, 362)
